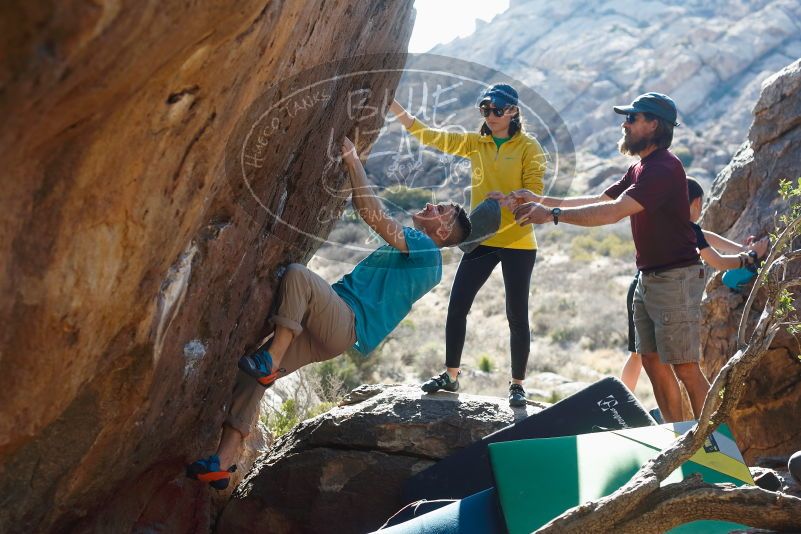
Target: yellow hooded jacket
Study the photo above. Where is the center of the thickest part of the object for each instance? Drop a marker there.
(519, 163)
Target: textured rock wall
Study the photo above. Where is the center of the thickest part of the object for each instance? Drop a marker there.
(743, 202)
(133, 268)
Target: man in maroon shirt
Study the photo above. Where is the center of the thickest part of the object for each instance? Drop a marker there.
(653, 194)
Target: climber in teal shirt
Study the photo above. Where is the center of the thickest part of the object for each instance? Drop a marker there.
(316, 321)
(383, 287)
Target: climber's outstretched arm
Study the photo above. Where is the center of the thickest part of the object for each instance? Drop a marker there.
(366, 202)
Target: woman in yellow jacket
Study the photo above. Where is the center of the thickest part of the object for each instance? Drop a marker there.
(504, 158)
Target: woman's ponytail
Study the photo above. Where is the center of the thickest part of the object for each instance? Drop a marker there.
(516, 124)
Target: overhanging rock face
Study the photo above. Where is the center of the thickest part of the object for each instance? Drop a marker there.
(136, 261)
(744, 199)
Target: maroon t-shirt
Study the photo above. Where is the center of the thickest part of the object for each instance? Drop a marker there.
(663, 236)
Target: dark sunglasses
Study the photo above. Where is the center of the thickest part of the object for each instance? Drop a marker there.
(631, 118)
(486, 110)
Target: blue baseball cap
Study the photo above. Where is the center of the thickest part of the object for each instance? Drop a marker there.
(654, 103)
(501, 95)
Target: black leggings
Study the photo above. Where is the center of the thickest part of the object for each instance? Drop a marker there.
(474, 269)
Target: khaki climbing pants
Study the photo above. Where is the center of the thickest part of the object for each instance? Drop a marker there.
(323, 325)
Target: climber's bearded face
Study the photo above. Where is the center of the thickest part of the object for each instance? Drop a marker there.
(436, 219)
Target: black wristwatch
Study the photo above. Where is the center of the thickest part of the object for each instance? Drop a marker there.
(748, 258)
(555, 213)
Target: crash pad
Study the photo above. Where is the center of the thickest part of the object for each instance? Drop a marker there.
(476, 514)
(560, 473)
(604, 405)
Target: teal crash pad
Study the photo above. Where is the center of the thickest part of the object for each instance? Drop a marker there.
(539, 479)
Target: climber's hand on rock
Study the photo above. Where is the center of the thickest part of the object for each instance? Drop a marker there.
(396, 109)
(349, 155)
(403, 116)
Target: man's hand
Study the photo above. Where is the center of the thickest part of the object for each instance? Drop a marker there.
(761, 247)
(349, 155)
(532, 213)
(502, 199)
(514, 199)
(521, 196)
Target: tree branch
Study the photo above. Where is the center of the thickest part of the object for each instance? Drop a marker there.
(785, 239)
(793, 254)
(693, 500)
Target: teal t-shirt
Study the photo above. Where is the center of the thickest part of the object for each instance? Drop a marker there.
(383, 286)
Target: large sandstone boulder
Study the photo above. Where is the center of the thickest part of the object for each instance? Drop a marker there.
(744, 199)
(347, 466)
(136, 265)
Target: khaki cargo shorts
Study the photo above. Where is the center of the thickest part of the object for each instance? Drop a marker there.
(667, 314)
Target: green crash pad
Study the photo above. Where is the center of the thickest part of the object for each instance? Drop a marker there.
(539, 479)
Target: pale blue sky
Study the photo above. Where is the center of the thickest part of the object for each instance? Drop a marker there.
(441, 21)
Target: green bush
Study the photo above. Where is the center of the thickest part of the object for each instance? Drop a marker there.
(564, 335)
(403, 198)
(289, 415)
(586, 247)
(346, 372)
(320, 409)
(554, 398)
(283, 419)
(408, 323)
(350, 233)
(539, 326)
(335, 372)
(564, 304)
(485, 363)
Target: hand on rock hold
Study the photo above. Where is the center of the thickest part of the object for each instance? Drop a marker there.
(349, 154)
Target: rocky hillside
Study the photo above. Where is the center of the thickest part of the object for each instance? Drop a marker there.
(143, 226)
(583, 57)
(743, 202)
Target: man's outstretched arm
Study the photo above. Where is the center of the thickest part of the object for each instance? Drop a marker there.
(598, 214)
(519, 197)
(367, 204)
(720, 261)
